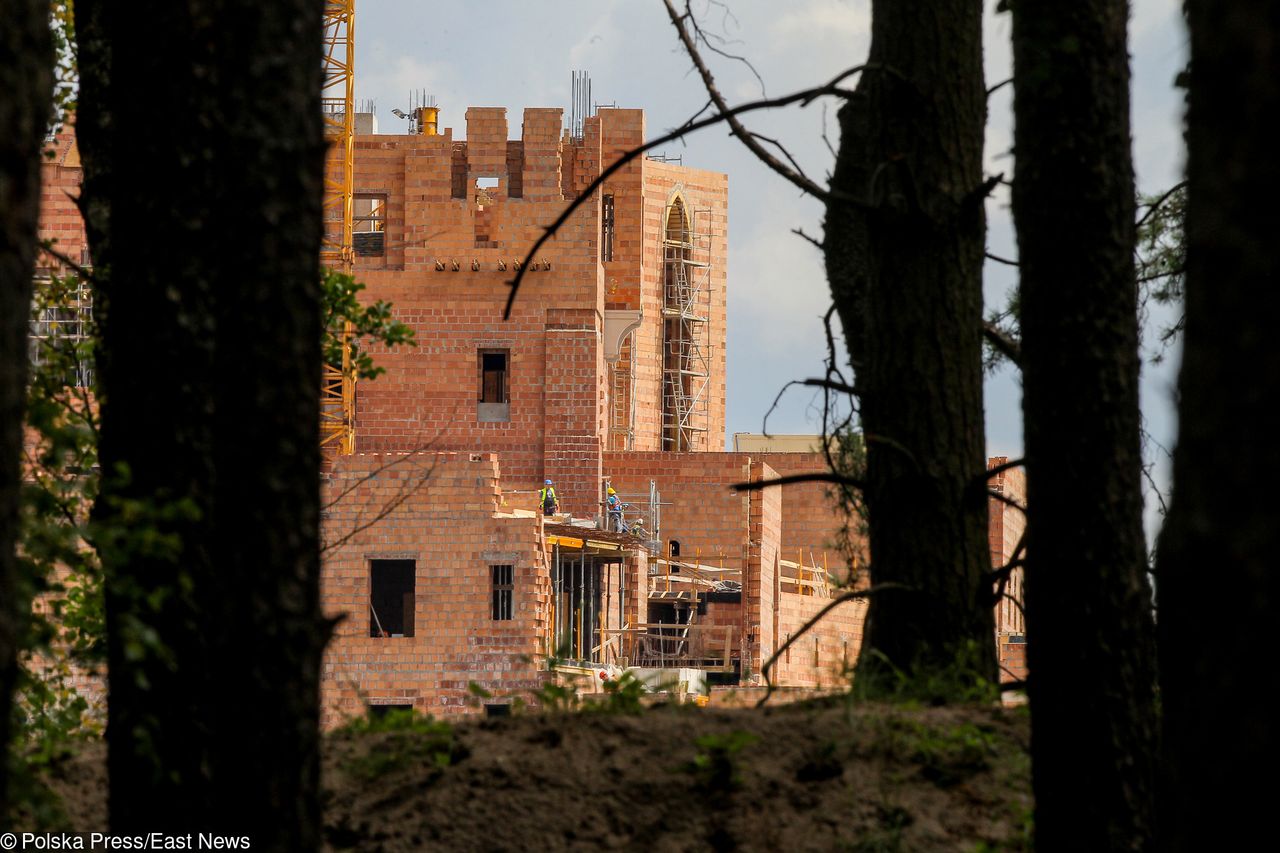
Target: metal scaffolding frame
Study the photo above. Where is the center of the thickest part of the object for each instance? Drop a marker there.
(71, 320)
(686, 328)
(337, 98)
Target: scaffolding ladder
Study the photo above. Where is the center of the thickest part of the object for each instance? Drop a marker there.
(687, 351)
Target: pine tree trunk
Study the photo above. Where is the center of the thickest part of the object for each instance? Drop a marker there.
(1090, 635)
(26, 81)
(1218, 582)
(904, 252)
(210, 371)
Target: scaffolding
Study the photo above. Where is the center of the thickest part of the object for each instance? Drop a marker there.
(67, 325)
(337, 98)
(686, 361)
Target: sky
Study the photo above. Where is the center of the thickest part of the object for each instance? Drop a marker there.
(517, 54)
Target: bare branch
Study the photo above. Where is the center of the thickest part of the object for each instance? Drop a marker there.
(785, 153)
(828, 384)
(997, 87)
(825, 139)
(735, 126)
(814, 620)
(983, 190)
(639, 151)
(1005, 499)
(82, 271)
(1001, 260)
(1155, 205)
(410, 487)
(1159, 275)
(814, 477)
(706, 37)
(799, 232)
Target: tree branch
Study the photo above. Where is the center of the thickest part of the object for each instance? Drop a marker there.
(1155, 205)
(799, 232)
(814, 620)
(1003, 342)
(815, 477)
(1002, 467)
(628, 156)
(736, 128)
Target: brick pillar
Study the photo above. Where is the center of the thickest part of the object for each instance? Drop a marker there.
(541, 136)
(759, 596)
(487, 144)
(572, 445)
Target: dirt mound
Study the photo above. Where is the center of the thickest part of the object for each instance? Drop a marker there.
(808, 776)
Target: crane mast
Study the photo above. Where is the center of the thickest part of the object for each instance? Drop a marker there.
(337, 95)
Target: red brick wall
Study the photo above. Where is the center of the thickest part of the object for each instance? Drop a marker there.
(700, 510)
(60, 221)
(825, 654)
(444, 513)
(1004, 534)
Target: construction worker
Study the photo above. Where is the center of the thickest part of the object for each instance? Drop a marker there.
(547, 498)
(615, 511)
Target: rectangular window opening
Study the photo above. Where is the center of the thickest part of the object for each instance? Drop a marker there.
(369, 224)
(606, 229)
(495, 385)
(391, 597)
(503, 587)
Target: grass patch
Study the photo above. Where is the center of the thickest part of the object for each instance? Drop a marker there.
(406, 738)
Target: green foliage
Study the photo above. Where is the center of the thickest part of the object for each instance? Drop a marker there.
(557, 698)
(948, 756)
(57, 561)
(887, 838)
(371, 323)
(407, 738)
(622, 695)
(715, 765)
(1162, 262)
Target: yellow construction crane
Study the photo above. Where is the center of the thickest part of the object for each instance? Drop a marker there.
(338, 391)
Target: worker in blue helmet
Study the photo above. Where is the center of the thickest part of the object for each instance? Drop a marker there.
(547, 498)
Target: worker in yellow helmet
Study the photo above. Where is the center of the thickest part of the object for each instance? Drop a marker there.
(547, 499)
(615, 511)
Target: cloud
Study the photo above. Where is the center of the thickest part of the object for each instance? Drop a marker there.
(801, 26)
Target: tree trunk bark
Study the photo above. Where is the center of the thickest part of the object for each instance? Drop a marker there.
(1221, 538)
(26, 81)
(904, 251)
(210, 371)
(1091, 648)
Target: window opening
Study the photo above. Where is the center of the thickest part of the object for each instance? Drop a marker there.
(369, 224)
(606, 229)
(493, 377)
(391, 597)
(502, 582)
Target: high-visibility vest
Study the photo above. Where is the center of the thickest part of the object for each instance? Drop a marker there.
(544, 493)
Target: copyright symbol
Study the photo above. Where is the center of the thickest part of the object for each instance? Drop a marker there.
(9, 841)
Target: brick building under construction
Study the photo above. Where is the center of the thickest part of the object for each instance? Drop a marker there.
(609, 372)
